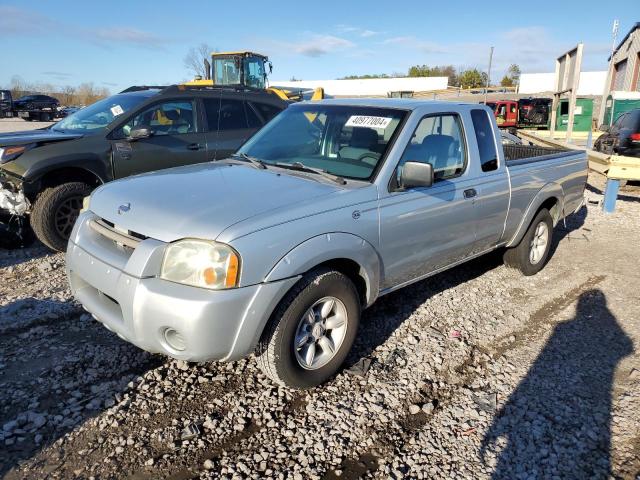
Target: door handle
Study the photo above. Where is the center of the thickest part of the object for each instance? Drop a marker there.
(470, 193)
(194, 146)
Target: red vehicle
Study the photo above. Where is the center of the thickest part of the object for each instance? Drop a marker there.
(523, 113)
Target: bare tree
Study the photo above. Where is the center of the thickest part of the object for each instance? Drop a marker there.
(68, 94)
(18, 86)
(194, 59)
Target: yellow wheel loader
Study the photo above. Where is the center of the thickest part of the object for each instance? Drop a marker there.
(245, 70)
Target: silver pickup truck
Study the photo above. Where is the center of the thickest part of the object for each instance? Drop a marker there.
(276, 250)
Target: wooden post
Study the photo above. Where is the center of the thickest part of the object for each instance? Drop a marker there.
(556, 97)
(574, 87)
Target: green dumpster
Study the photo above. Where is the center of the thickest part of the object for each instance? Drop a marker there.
(619, 102)
(582, 115)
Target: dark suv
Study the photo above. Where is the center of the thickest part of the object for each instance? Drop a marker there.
(623, 137)
(45, 174)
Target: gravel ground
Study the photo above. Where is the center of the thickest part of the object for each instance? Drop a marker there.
(475, 373)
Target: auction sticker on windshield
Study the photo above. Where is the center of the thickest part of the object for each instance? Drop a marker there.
(368, 121)
(117, 110)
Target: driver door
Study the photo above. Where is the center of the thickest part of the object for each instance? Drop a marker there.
(176, 139)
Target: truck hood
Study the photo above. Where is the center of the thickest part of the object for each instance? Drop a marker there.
(201, 201)
(35, 136)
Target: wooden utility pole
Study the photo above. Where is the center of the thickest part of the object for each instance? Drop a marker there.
(486, 90)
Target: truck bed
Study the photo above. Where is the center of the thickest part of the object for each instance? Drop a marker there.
(520, 154)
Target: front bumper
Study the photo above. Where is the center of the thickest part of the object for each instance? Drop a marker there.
(126, 295)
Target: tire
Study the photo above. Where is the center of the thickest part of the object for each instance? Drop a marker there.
(538, 236)
(45, 117)
(55, 211)
(277, 355)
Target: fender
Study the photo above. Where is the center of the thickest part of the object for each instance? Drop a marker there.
(332, 246)
(550, 190)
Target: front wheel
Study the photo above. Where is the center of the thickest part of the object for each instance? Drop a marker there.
(55, 212)
(312, 330)
(532, 253)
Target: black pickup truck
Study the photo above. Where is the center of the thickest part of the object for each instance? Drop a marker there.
(46, 173)
(36, 107)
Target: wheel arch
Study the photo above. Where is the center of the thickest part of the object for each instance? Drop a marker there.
(62, 175)
(551, 197)
(344, 252)
(347, 253)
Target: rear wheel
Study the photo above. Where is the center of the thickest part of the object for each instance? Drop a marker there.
(55, 212)
(311, 331)
(532, 253)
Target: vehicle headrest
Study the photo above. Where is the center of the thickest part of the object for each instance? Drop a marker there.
(362, 137)
(437, 141)
(172, 115)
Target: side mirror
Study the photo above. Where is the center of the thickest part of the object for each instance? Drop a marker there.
(139, 133)
(604, 128)
(416, 174)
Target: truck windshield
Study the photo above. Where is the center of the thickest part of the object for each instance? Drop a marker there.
(348, 141)
(97, 116)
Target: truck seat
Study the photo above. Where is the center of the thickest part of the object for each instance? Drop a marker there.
(363, 142)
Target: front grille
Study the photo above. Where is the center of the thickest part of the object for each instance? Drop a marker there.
(126, 239)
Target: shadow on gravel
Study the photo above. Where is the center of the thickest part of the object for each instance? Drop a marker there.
(557, 421)
(621, 196)
(388, 313)
(570, 225)
(16, 256)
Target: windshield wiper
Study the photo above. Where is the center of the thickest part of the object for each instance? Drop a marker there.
(301, 167)
(256, 162)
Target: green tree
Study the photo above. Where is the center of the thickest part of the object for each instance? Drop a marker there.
(513, 72)
(506, 81)
(448, 71)
(473, 78)
(366, 76)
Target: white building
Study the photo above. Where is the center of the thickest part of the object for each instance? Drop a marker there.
(370, 86)
(591, 83)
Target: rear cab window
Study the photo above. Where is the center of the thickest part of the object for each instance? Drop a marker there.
(485, 139)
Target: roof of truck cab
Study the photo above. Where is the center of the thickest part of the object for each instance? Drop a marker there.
(400, 103)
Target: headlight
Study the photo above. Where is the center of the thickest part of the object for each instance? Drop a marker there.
(11, 153)
(201, 264)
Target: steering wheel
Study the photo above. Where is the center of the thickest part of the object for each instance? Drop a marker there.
(375, 156)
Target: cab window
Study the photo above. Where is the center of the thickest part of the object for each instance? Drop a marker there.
(438, 140)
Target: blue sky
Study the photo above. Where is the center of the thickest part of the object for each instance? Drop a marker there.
(119, 43)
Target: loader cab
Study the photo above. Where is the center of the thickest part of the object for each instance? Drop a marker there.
(246, 69)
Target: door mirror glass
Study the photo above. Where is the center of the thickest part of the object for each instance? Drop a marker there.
(139, 133)
(416, 174)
